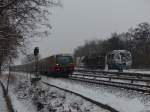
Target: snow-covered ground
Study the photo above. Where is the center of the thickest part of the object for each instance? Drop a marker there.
(42, 98)
(3, 107)
(122, 100)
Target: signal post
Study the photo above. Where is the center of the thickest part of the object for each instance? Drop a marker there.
(37, 77)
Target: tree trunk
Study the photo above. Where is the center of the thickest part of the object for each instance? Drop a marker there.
(0, 68)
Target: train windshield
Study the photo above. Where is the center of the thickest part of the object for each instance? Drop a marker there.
(64, 59)
(126, 56)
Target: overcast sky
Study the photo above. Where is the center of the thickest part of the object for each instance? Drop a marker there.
(80, 20)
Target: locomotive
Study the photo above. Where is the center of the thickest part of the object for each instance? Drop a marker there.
(55, 65)
(116, 59)
(119, 59)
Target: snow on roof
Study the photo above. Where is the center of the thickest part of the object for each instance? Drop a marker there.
(119, 51)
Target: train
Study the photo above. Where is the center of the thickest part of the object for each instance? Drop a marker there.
(63, 64)
(55, 65)
(119, 59)
(116, 59)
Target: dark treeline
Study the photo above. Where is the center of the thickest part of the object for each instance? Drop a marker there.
(136, 40)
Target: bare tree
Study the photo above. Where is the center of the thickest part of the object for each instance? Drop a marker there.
(20, 20)
(136, 40)
(29, 58)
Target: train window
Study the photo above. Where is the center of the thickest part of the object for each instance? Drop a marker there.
(64, 59)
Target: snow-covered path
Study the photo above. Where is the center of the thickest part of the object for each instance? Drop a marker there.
(3, 107)
(120, 100)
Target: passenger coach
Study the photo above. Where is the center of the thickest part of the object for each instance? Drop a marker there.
(56, 65)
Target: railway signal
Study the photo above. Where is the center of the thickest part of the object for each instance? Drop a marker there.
(36, 51)
(37, 77)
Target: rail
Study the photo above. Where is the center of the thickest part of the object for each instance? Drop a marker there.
(107, 107)
(115, 73)
(127, 80)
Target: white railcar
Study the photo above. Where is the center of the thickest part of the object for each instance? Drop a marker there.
(119, 59)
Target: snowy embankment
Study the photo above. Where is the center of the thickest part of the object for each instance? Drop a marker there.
(42, 98)
(120, 99)
(3, 106)
(17, 106)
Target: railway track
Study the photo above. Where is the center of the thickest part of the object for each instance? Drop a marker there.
(104, 106)
(130, 81)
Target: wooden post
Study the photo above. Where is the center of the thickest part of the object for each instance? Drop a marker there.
(8, 76)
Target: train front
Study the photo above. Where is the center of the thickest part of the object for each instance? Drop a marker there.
(64, 64)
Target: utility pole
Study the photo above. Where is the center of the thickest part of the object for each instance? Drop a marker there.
(9, 69)
(106, 63)
(10, 61)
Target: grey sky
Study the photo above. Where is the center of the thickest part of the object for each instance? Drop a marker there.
(81, 20)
